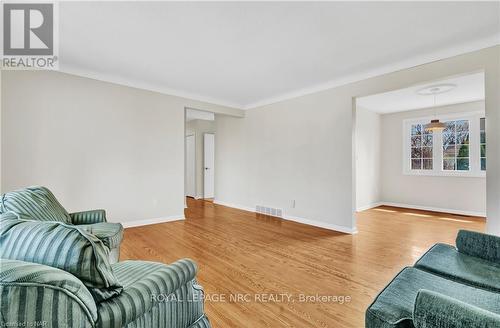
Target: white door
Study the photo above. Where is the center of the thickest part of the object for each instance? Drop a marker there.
(208, 165)
(190, 166)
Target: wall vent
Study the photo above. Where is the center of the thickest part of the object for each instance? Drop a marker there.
(271, 211)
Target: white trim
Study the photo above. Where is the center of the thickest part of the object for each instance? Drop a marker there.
(144, 85)
(138, 223)
(402, 65)
(297, 219)
(434, 209)
(367, 207)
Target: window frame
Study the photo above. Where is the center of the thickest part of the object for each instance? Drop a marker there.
(437, 155)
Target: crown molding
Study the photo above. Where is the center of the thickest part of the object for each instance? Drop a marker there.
(143, 85)
(413, 62)
(402, 65)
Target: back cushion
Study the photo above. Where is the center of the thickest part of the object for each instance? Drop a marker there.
(479, 245)
(61, 246)
(34, 203)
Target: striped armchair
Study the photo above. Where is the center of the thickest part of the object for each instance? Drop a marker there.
(39, 203)
(54, 274)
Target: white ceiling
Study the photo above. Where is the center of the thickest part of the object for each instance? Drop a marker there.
(246, 54)
(468, 88)
(194, 114)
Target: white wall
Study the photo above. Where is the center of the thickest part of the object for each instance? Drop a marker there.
(368, 184)
(302, 149)
(198, 128)
(95, 144)
(469, 193)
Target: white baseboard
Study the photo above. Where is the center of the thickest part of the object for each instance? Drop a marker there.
(369, 206)
(433, 209)
(138, 223)
(314, 223)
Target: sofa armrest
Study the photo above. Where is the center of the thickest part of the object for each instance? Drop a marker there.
(88, 217)
(34, 295)
(479, 245)
(436, 310)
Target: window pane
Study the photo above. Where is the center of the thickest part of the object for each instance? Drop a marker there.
(483, 164)
(448, 138)
(462, 126)
(449, 151)
(483, 137)
(416, 129)
(427, 164)
(482, 123)
(463, 164)
(483, 150)
(416, 153)
(427, 140)
(449, 164)
(462, 151)
(427, 152)
(449, 127)
(416, 164)
(416, 141)
(463, 138)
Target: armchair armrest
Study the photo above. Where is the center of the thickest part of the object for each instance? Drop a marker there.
(88, 217)
(42, 295)
(436, 310)
(148, 285)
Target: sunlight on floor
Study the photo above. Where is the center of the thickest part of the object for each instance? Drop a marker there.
(383, 210)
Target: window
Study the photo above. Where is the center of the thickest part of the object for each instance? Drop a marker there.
(459, 150)
(421, 148)
(456, 146)
(482, 145)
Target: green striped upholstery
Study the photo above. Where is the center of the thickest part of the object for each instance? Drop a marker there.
(62, 246)
(33, 293)
(88, 217)
(38, 203)
(154, 295)
(201, 323)
(111, 234)
(34, 203)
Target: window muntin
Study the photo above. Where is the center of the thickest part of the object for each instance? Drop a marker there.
(421, 148)
(482, 142)
(456, 152)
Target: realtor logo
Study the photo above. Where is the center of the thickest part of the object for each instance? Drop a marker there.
(29, 36)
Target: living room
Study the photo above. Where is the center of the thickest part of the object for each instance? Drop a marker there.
(99, 153)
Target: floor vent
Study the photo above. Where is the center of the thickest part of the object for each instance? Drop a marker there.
(278, 212)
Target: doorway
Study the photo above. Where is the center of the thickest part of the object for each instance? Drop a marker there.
(209, 165)
(190, 166)
(199, 154)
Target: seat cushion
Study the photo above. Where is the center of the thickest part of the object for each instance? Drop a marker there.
(61, 246)
(111, 234)
(393, 307)
(34, 203)
(154, 295)
(446, 261)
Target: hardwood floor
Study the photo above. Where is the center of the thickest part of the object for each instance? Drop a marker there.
(256, 256)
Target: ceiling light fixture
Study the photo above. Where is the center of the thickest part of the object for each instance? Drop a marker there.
(435, 125)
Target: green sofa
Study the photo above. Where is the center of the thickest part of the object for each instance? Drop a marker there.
(39, 203)
(58, 274)
(448, 287)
